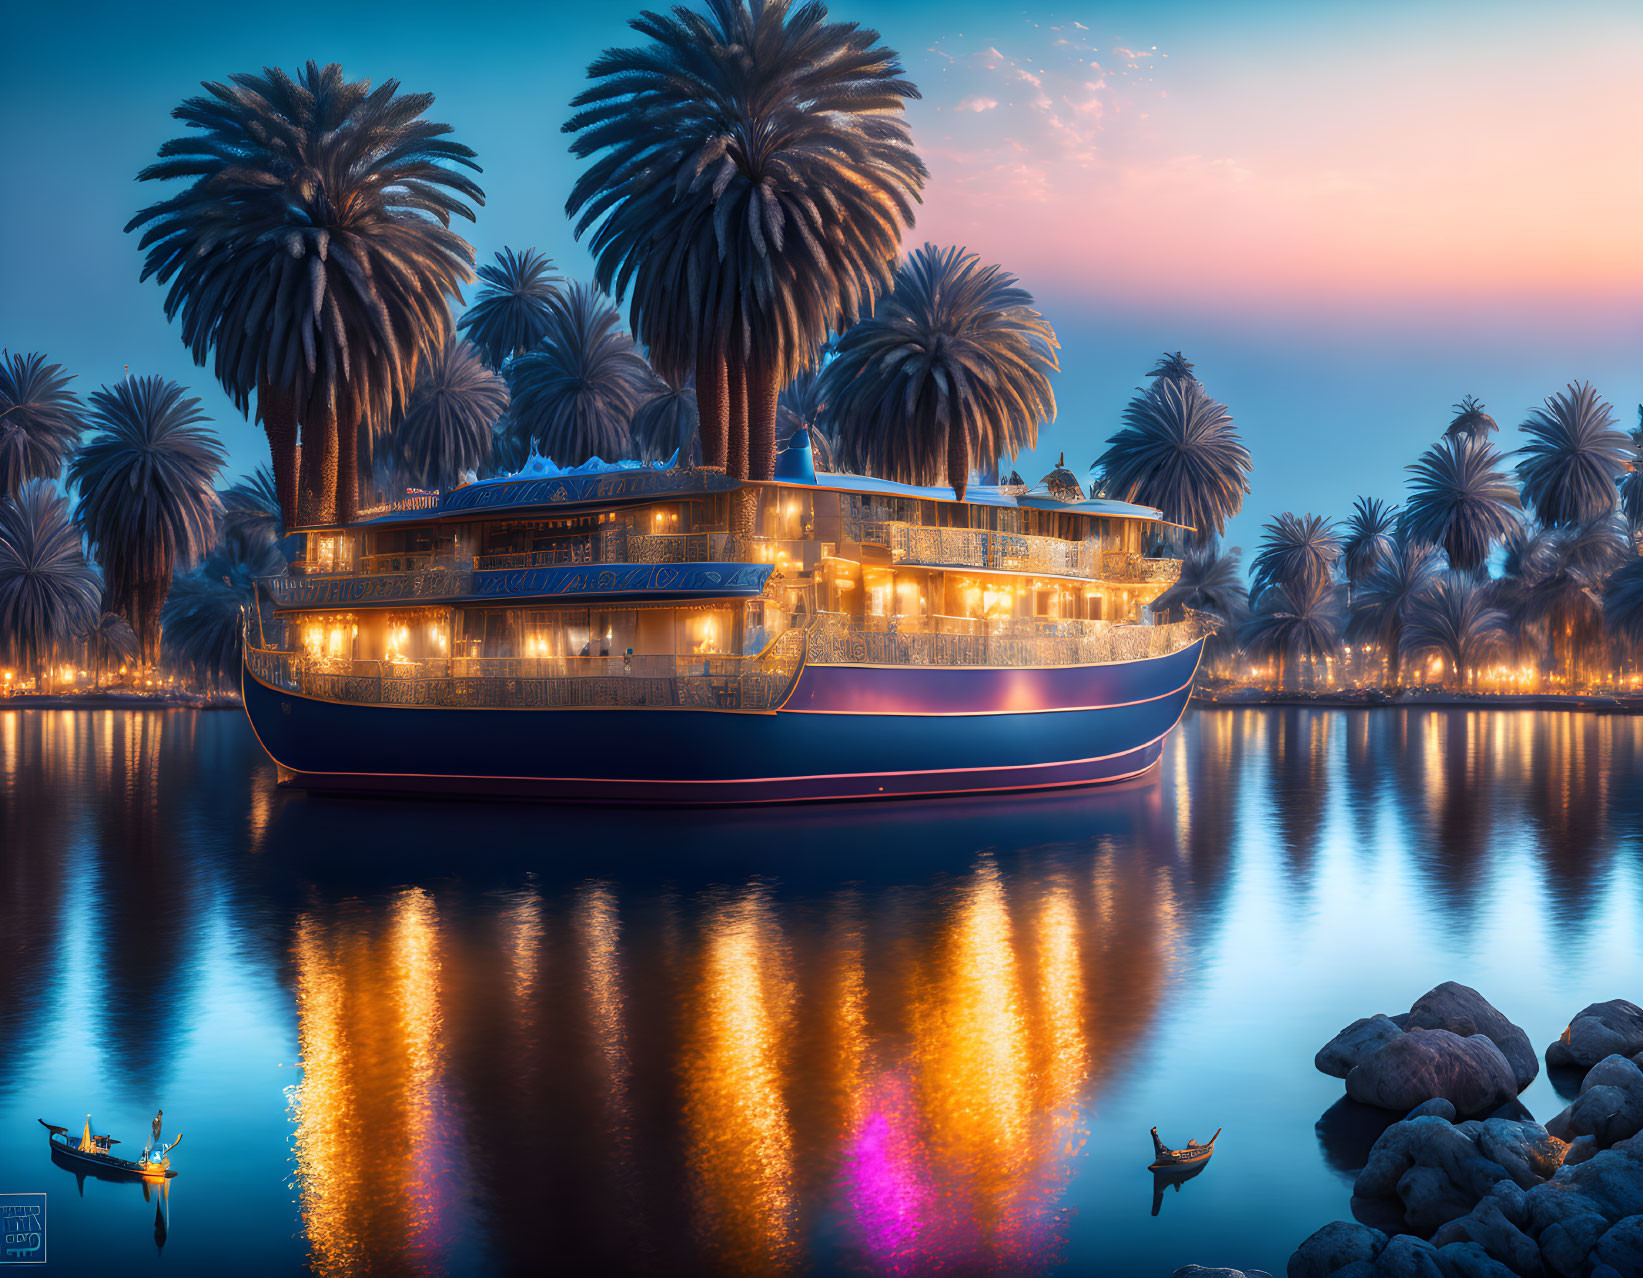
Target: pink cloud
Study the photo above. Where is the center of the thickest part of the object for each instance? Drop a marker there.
(977, 104)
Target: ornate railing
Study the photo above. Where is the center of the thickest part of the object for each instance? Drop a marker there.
(403, 562)
(1011, 552)
(409, 501)
(677, 548)
(705, 681)
(957, 641)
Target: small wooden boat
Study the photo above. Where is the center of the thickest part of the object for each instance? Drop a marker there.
(1194, 1154)
(91, 1154)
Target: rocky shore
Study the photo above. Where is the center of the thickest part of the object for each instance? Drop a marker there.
(1466, 1184)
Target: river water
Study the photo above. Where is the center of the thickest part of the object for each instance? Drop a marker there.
(485, 1037)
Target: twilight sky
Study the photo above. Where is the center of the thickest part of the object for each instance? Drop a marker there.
(1348, 217)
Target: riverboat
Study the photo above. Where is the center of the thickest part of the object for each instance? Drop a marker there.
(601, 633)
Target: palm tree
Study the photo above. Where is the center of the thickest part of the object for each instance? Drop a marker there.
(312, 252)
(1623, 601)
(1370, 530)
(1295, 548)
(251, 511)
(110, 639)
(754, 172)
(204, 612)
(952, 368)
(1172, 367)
(1178, 452)
(1294, 621)
(510, 312)
(800, 407)
(1386, 597)
(1212, 583)
(1456, 622)
(48, 593)
(1559, 588)
(1461, 500)
(666, 425)
(575, 395)
(40, 421)
(1470, 421)
(1568, 473)
(147, 501)
(446, 429)
(1631, 483)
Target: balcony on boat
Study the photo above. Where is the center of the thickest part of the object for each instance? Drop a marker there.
(711, 680)
(1011, 552)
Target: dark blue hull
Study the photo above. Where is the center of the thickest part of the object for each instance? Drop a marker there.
(845, 732)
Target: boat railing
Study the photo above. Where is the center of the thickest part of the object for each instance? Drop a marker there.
(839, 640)
(1011, 552)
(697, 680)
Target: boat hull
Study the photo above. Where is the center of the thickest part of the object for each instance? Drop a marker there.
(845, 732)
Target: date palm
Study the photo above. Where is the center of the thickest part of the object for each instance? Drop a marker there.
(510, 312)
(951, 369)
(446, 429)
(110, 639)
(312, 257)
(1623, 601)
(1294, 621)
(1172, 367)
(1295, 548)
(1370, 532)
(575, 395)
(1560, 585)
(800, 407)
(147, 497)
(750, 173)
(1568, 471)
(202, 617)
(1212, 583)
(251, 511)
(1383, 602)
(48, 593)
(1470, 421)
(666, 425)
(1461, 500)
(1631, 483)
(1178, 451)
(40, 420)
(1457, 622)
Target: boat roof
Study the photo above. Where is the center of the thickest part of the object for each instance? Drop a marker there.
(541, 483)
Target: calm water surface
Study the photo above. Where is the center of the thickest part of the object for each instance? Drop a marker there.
(477, 1038)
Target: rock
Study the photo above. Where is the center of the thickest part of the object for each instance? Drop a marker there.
(1337, 1245)
(1437, 1107)
(1434, 1169)
(1461, 1010)
(1609, 1107)
(1580, 1150)
(1408, 1257)
(1469, 1073)
(1355, 1044)
(1499, 1238)
(1526, 1151)
(1602, 1029)
(1622, 1246)
(1565, 1244)
(1470, 1260)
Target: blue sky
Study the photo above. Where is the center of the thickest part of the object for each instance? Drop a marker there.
(1349, 217)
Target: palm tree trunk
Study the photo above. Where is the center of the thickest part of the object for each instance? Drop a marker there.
(349, 432)
(712, 406)
(278, 410)
(147, 604)
(958, 457)
(736, 400)
(761, 418)
(317, 484)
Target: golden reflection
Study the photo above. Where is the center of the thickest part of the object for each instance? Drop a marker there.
(599, 932)
(740, 1137)
(414, 943)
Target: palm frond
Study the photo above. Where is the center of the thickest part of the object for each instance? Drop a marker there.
(1295, 548)
(952, 369)
(1460, 499)
(48, 593)
(510, 312)
(1455, 621)
(1470, 421)
(40, 420)
(446, 429)
(1178, 452)
(1568, 471)
(1370, 532)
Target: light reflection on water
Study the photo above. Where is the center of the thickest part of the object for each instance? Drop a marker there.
(478, 1037)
